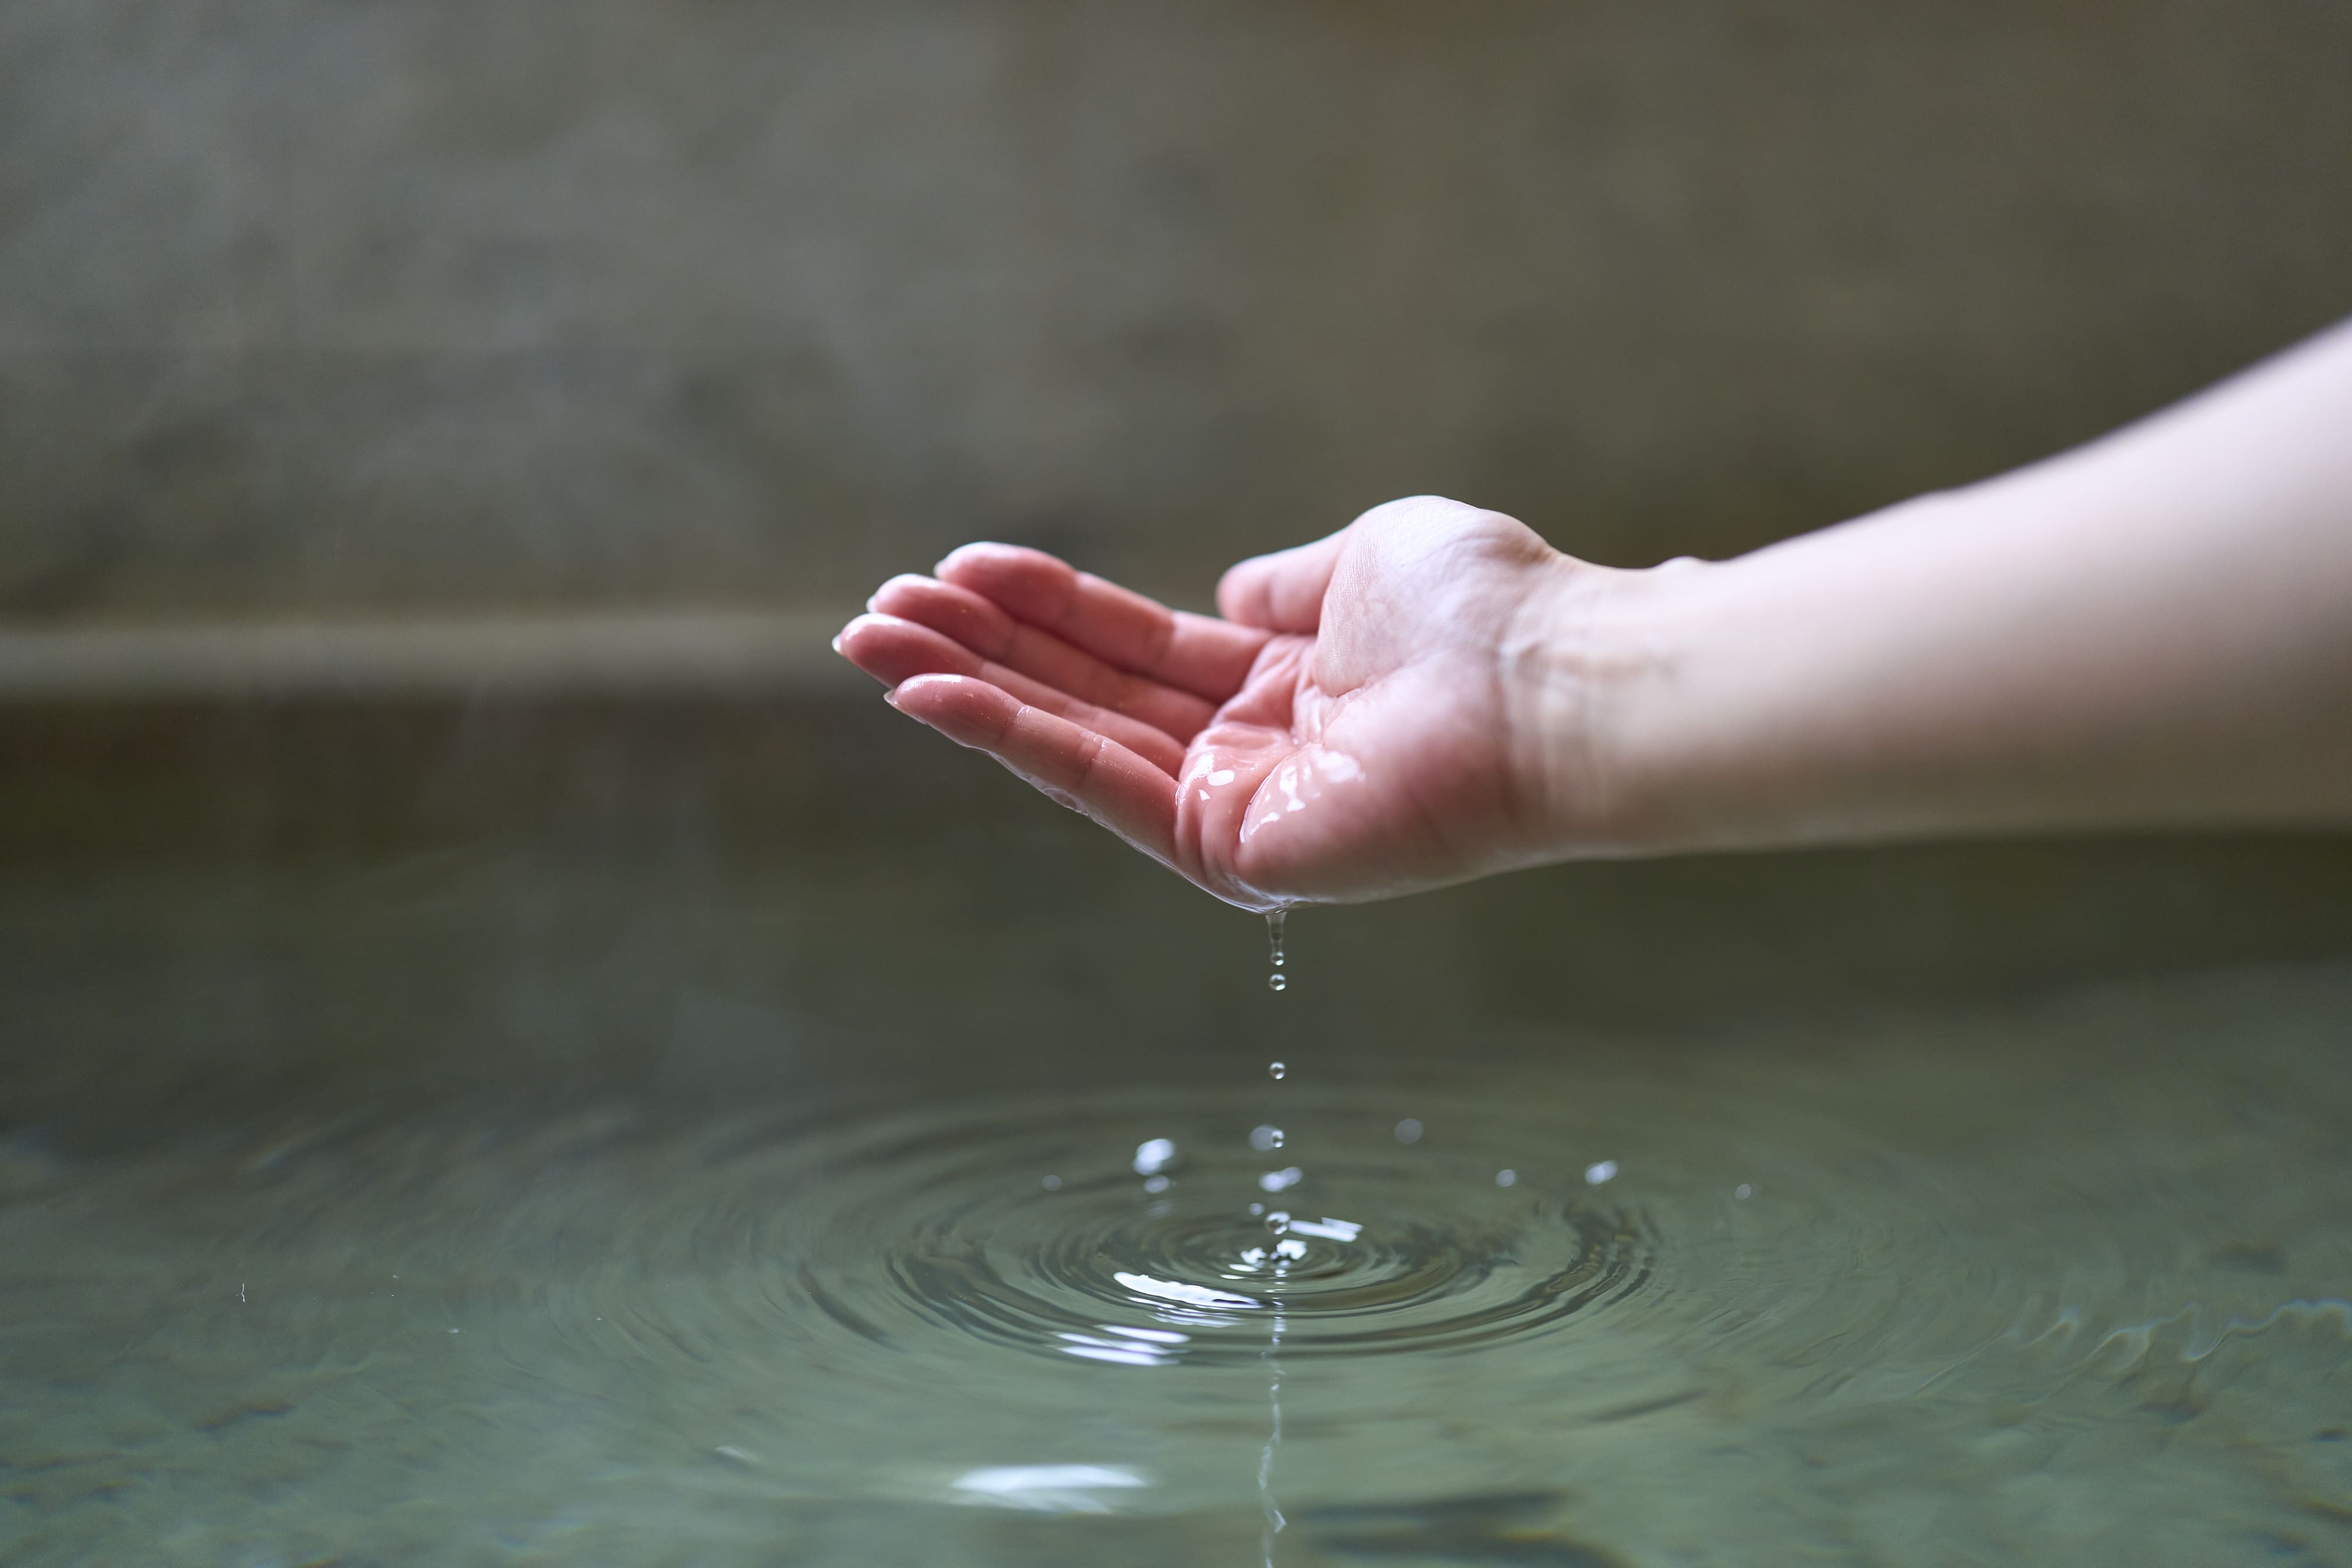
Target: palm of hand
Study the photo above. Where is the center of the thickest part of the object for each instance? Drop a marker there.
(1341, 734)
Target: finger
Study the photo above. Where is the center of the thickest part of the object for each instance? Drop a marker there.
(1282, 592)
(1081, 769)
(894, 650)
(983, 626)
(1200, 654)
(976, 623)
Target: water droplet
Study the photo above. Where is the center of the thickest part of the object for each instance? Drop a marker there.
(1265, 1139)
(1273, 921)
(1408, 1131)
(1052, 1184)
(1277, 982)
(1153, 1155)
(1507, 1178)
(1257, 1208)
(1743, 1190)
(1595, 1174)
(1276, 1181)
(1278, 1222)
(1155, 1185)
(1277, 1069)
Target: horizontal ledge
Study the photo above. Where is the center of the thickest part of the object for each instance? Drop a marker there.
(616, 654)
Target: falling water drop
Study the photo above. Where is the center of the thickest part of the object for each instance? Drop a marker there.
(1278, 1222)
(1277, 980)
(1277, 1069)
(1265, 1139)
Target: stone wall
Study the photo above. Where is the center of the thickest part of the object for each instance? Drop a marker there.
(314, 307)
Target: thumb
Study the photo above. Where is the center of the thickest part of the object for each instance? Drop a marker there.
(1282, 592)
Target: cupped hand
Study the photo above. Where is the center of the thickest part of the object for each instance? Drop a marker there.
(1369, 715)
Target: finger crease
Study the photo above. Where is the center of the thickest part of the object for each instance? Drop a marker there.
(1159, 639)
(1089, 760)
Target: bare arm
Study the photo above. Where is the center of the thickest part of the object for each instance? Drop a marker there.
(2154, 629)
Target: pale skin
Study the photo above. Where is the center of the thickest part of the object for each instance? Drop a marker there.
(2151, 632)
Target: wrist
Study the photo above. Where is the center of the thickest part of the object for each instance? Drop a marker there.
(1570, 658)
(1784, 698)
(1699, 705)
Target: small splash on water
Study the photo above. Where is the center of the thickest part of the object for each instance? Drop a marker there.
(1280, 1255)
(1186, 1276)
(1154, 1155)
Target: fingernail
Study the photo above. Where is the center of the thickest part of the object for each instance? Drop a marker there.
(836, 643)
(891, 697)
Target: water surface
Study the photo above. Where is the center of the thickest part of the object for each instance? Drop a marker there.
(2057, 1284)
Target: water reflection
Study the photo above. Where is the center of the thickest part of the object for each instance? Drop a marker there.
(1051, 1489)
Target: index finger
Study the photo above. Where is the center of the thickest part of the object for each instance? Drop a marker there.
(1199, 654)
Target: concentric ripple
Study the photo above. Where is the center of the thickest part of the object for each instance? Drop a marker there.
(1847, 1299)
(1036, 1229)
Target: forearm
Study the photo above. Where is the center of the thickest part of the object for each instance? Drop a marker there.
(2152, 630)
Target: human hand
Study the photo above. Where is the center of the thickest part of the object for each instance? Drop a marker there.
(1376, 712)
(2150, 631)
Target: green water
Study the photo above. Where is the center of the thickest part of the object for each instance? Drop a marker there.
(2063, 1283)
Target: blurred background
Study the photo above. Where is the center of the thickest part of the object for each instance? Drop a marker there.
(436, 441)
